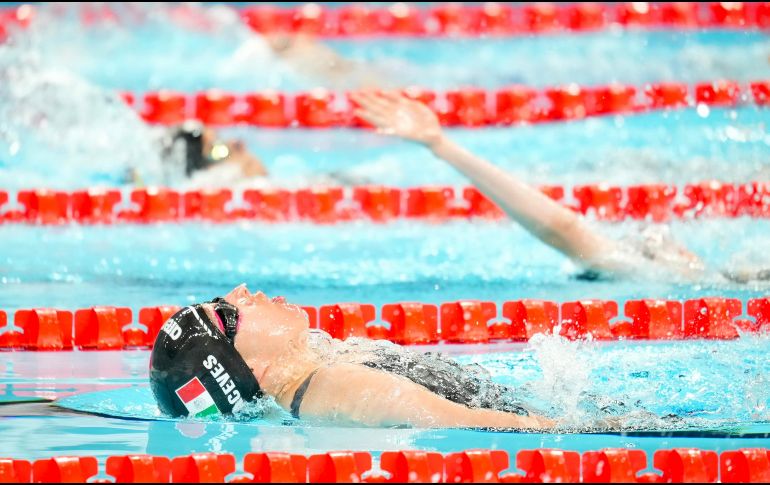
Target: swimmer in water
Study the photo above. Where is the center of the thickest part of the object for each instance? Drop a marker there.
(193, 151)
(215, 357)
(196, 155)
(559, 227)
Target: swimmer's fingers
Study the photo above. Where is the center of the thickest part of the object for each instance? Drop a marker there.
(381, 122)
(368, 98)
(397, 99)
(378, 111)
(375, 104)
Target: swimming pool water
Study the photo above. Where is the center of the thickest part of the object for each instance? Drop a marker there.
(711, 384)
(714, 386)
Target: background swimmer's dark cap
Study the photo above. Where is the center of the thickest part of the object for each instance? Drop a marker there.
(195, 369)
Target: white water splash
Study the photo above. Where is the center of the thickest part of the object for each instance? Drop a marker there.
(566, 373)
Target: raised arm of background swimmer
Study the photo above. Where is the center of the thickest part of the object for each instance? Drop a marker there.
(374, 398)
(548, 220)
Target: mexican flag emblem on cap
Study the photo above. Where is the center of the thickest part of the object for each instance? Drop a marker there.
(197, 399)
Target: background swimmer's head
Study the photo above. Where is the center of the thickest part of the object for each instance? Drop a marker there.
(658, 244)
(269, 328)
(199, 147)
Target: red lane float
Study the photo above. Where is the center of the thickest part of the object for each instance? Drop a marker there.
(153, 318)
(474, 466)
(269, 204)
(668, 95)
(44, 206)
(467, 107)
(567, 102)
(653, 202)
(101, 328)
(202, 468)
(688, 465)
(3, 201)
(327, 205)
(530, 317)
(139, 469)
(15, 471)
(479, 205)
(488, 19)
(543, 466)
(609, 465)
(413, 466)
(719, 93)
(165, 107)
(655, 319)
(748, 465)
(346, 319)
(760, 90)
(338, 467)
(466, 321)
(413, 323)
(94, 206)
(612, 99)
(320, 205)
(431, 202)
(64, 469)
(378, 203)
(711, 318)
(275, 468)
(602, 200)
(759, 310)
(215, 107)
(153, 205)
(207, 204)
(315, 109)
(514, 104)
(45, 329)
(266, 109)
(589, 318)
(613, 465)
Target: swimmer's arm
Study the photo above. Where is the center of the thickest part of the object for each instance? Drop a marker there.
(545, 218)
(349, 392)
(313, 58)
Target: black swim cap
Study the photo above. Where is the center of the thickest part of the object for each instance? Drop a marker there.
(183, 147)
(194, 367)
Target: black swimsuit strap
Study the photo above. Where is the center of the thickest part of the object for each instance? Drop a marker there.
(300, 394)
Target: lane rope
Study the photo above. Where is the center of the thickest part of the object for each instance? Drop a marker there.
(329, 205)
(411, 323)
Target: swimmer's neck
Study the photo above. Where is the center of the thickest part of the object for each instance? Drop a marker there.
(282, 376)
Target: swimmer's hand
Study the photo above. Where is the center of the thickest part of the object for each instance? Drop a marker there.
(394, 114)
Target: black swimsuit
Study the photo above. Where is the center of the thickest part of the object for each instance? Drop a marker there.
(439, 375)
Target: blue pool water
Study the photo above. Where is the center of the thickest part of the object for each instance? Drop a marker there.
(717, 386)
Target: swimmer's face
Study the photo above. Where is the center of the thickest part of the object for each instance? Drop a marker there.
(218, 150)
(268, 327)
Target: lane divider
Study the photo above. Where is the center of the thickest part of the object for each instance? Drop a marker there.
(465, 107)
(328, 205)
(454, 20)
(500, 19)
(414, 323)
(609, 465)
